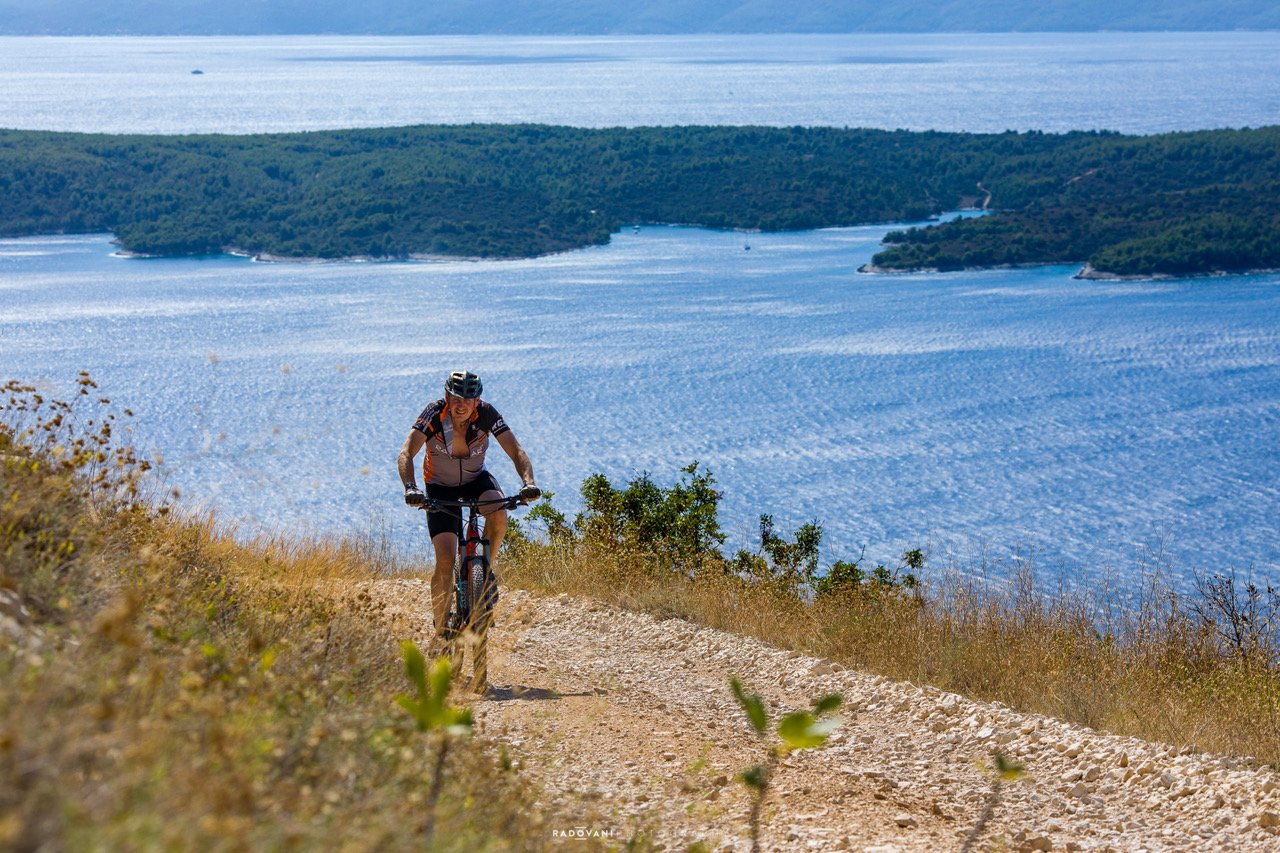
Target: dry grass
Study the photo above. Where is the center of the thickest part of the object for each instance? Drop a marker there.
(1149, 668)
(170, 688)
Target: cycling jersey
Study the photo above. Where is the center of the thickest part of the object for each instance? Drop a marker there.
(439, 466)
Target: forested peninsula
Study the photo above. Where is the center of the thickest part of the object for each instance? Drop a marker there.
(1182, 203)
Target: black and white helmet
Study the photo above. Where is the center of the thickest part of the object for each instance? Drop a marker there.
(463, 383)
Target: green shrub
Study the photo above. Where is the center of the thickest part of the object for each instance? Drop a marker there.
(677, 527)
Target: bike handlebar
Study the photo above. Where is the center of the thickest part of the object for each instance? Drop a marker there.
(502, 503)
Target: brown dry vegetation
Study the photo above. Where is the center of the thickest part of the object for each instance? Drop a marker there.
(164, 687)
(1162, 666)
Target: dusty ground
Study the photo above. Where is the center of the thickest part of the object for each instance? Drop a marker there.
(630, 722)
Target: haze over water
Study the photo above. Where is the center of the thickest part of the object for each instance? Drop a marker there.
(1003, 408)
(1134, 83)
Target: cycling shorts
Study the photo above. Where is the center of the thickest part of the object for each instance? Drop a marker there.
(449, 519)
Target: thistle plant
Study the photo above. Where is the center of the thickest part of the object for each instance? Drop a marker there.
(797, 730)
(433, 716)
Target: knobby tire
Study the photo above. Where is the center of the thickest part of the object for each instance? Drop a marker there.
(480, 590)
(458, 618)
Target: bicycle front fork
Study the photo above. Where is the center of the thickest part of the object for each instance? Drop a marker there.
(471, 567)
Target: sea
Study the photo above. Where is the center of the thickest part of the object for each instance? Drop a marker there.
(1096, 429)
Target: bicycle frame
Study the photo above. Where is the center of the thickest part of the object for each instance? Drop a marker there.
(475, 592)
(470, 566)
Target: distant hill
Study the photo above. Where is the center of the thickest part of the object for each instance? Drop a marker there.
(1180, 203)
(402, 17)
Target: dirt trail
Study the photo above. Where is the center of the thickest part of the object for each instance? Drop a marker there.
(629, 721)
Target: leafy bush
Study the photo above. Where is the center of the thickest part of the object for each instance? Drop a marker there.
(677, 527)
(849, 579)
(789, 565)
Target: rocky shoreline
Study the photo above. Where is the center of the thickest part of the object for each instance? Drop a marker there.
(1086, 273)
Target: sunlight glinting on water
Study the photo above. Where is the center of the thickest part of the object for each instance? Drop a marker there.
(1151, 83)
(1002, 409)
(999, 409)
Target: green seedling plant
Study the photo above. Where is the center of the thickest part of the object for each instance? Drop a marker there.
(797, 730)
(433, 716)
(1002, 769)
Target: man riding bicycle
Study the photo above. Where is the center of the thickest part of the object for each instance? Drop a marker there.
(456, 430)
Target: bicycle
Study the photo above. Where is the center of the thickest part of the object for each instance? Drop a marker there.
(475, 590)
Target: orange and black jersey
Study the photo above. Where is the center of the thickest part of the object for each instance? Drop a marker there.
(439, 466)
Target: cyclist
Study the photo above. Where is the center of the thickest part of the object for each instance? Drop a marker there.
(455, 431)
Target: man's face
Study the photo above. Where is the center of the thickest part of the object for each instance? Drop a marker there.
(461, 407)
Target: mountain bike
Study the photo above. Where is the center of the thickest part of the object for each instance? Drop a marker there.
(475, 589)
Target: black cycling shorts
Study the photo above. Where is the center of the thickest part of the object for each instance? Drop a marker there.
(449, 519)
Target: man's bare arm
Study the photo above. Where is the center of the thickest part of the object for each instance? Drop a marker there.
(404, 464)
(521, 459)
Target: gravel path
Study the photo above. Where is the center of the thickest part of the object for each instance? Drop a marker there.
(629, 721)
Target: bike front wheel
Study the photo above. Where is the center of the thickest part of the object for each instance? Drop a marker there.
(484, 594)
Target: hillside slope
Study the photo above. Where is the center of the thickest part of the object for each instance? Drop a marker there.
(629, 721)
(1179, 203)
(165, 686)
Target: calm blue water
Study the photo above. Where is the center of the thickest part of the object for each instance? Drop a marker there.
(1010, 408)
(970, 411)
(1140, 83)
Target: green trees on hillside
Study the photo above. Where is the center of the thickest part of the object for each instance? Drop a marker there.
(1174, 204)
(1189, 202)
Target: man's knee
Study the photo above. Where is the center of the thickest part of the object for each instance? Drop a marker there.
(446, 545)
(498, 518)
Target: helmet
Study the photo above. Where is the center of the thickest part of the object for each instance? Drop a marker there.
(463, 383)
